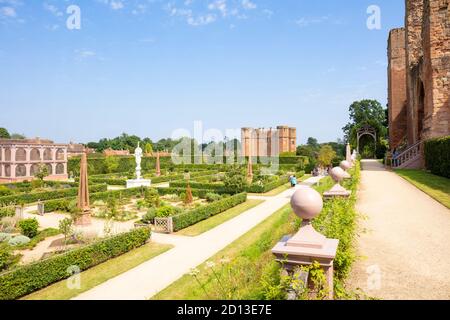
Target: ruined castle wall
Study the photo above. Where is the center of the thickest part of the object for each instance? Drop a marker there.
(436, 68)
(414, 55)
(397, 86)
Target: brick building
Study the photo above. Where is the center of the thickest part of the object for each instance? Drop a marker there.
(268, 142)
(419, 75)
(20, 159)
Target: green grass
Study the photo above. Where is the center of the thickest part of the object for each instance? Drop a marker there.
(249, 257)
(435, 186)
(218, 219)
(100, 273)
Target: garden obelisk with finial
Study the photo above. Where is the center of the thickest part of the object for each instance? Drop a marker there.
(83, 194)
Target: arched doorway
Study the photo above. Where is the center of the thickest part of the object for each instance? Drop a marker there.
(366, 131)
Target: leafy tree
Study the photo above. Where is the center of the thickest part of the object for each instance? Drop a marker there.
(112, 164)
(18, 136)
(42, 172)
(66, 228)
(326, 155)
(148, 148)
(4, 134)
(313, 143)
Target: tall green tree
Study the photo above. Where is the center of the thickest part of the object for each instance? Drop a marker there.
(363, 113)
(326, 155)
(4, 134)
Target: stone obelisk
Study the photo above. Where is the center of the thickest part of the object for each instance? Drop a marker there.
(83, 194)
(250, 168)
(158, 165)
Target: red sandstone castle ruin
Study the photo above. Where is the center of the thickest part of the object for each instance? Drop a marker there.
(419, 77)
(268, 142)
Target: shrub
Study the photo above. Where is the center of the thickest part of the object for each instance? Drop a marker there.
(191, 217)
(166, 211)
(151, 197)
(211, 197)
(150, 216)
(235, 179)
(29, 227)
(437, 156)
(5, 256)
(18, 241)
(7, 211)
(4, 237)
(25, 279)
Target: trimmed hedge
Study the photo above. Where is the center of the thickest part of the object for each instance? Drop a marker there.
(164, 178)
(26, 279)
(220, 187)
(437, 156)
(194, 216)
(47, 195)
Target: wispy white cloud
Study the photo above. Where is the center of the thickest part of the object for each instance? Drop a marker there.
(306, 22)
(113, 4)
(83, 54)
(219, 5)
(248, 5)
(8, 12)
(52, 9)
(191, 19)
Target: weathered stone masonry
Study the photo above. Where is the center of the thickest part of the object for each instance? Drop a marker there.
(427, 74)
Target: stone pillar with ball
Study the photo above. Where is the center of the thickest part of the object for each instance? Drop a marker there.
(307, 246)
(338, 191)
(345, 165)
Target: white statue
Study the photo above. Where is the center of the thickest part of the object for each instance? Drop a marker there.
(138, 157)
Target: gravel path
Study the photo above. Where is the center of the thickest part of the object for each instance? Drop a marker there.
(405, 251)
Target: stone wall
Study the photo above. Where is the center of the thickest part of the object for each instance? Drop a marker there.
(427, 67)
(397, 86)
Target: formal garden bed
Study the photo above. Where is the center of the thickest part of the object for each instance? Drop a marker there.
(19, 280)
(247, 269)
(46, 191)
(235, 181)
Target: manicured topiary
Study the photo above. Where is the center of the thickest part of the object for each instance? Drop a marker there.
(150, 216)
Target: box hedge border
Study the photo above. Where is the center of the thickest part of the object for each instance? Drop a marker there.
(437, 156)
(26, 279)
(47, 195)
(194, 216)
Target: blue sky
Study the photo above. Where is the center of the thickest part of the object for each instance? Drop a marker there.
(148, 67)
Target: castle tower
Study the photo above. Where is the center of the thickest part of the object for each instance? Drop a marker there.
(283, 132)
(292, 140)
(397, 87)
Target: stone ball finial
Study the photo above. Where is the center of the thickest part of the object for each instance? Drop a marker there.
(307, 203)
(345, 165)
(337, 174)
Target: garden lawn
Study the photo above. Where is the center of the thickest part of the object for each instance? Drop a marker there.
(100, 273)
(218, 219)
(435, 186)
